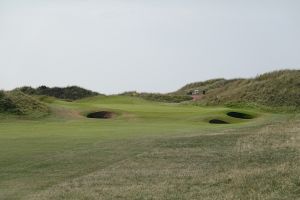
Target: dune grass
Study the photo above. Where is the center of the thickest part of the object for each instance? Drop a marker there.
(150, 150)
(278, 89)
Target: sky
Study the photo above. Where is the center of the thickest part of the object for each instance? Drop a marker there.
(112, 46)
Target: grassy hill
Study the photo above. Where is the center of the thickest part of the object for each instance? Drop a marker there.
(274, 89)
(18, 103)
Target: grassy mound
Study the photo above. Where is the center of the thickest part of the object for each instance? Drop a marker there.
(6, 104)
(70, 93)
(18, 103)
(274, 89)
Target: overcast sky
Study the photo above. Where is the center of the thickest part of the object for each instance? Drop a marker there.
(112, 46)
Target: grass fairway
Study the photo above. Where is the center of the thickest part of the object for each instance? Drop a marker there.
(149, 151)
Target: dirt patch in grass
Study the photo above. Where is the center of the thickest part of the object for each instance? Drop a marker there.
(101, 115)
(240, 115)
(217, 121)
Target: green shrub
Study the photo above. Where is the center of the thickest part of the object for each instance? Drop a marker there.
(69, 93)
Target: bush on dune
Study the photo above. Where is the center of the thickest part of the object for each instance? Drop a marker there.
(70, 93)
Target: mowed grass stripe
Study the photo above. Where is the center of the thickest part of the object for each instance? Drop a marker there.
(140, 154)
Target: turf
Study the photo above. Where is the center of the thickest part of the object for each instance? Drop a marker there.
(149, 150)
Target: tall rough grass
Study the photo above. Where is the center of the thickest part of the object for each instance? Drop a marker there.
(274, 89)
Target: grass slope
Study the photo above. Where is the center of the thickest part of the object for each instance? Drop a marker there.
(19, 104)
(150, 150)
(274, 89)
